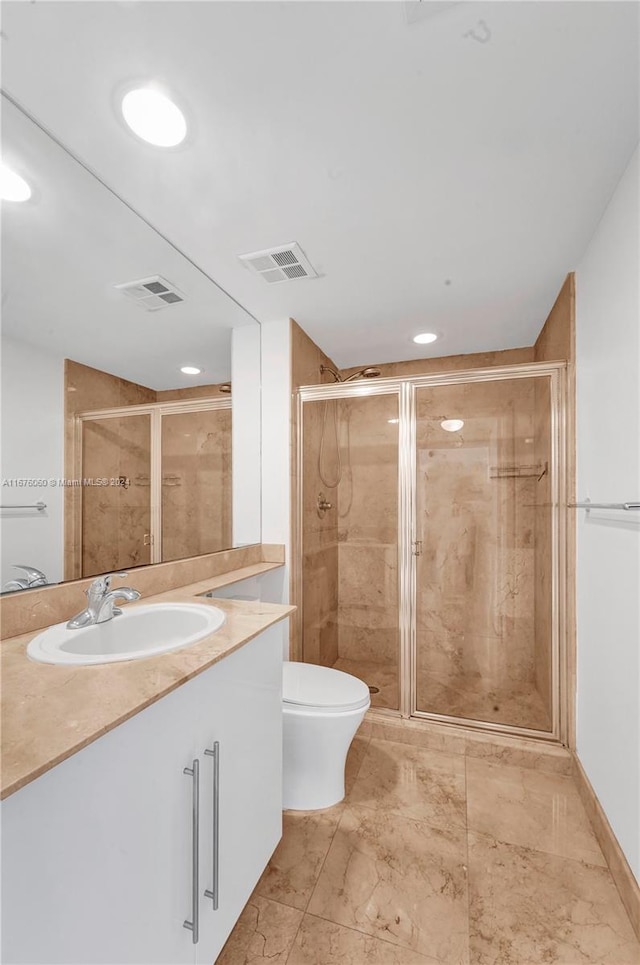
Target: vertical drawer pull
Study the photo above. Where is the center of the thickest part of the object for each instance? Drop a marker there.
(213, 892)
(194, 773)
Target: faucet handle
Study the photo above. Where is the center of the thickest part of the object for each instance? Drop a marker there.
(31, 574)
(107, 579)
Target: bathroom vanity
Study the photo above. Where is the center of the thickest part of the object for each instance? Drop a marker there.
(144, 845)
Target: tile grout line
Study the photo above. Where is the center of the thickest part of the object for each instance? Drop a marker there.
(466, 812)
(550, 854)
(304, 910)
(338, 823)
(365, 934)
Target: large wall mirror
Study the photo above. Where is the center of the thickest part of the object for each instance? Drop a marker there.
(114, 454)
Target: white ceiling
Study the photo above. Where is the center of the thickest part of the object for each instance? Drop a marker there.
(399, 155)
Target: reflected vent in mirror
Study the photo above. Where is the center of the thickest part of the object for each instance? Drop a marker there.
(152, 293)
(284, 263)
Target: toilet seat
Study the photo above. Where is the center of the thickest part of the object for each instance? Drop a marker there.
(309, 688)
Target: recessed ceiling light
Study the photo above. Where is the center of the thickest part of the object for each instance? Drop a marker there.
(452, 425)
(153, 117)
(190, 370)
(12, 186)
(424, 338)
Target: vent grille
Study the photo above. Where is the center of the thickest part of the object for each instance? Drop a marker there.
(284, 263)
(151, 294)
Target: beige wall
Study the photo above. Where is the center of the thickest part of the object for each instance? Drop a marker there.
(316, 621)
(194, 392)
(448, 363)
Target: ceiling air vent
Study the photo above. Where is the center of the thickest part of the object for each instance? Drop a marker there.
(284, 263)
(152, 293)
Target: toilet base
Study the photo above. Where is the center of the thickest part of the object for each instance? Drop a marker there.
(315, 753)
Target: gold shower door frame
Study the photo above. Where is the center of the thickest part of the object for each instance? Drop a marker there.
(156, 411)
(405, 388)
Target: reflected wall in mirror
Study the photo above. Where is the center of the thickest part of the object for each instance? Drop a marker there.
(111, 456)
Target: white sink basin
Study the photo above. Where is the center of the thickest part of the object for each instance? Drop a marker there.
(141, 631)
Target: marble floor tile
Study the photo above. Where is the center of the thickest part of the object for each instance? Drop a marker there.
(523, 806)
(293, 870)
(321, 942)
(264, 933)
(465, 696)
(384, 676)
(399, 880)
(528, 908)
(412, 781)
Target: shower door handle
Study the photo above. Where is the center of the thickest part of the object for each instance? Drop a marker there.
(417, 547)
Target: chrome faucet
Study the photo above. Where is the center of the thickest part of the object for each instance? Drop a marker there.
(101, 602)
(32, 577)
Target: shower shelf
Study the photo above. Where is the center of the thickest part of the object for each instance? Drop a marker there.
(519, 472)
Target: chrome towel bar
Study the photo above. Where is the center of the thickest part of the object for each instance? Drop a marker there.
(589, 505)
(39, 506)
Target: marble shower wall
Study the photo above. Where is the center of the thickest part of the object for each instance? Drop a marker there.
(314, 631)
(85, 389)
(368, 531)
(114, 518)
(196, 483)
(478, 497)
(320, 539)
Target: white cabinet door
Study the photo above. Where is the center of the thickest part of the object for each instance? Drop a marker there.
(97, 853)
(247, 725)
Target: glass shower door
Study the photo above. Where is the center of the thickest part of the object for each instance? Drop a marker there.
(116, 493)
(196, 483)
(349, 538)
(483, 608)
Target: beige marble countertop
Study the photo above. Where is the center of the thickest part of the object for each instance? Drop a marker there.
(50, 712)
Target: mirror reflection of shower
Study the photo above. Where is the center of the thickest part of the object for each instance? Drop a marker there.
(366, 373)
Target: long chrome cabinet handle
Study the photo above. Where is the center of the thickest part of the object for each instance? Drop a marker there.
(194, 774)
(213, 893)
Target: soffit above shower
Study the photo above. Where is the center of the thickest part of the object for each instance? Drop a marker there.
(478, 146)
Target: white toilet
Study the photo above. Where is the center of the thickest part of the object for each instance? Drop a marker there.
(322, 709)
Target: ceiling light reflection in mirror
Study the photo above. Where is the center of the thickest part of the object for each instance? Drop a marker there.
(13, 187)
(154, 117)
(75, 340)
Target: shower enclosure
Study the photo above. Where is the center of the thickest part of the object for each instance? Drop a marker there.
(430, 543)
(153, 485)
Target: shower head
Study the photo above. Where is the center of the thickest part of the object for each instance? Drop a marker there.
(368, 373)
(327, 368)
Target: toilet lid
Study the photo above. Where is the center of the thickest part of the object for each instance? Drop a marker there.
(309, 685)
